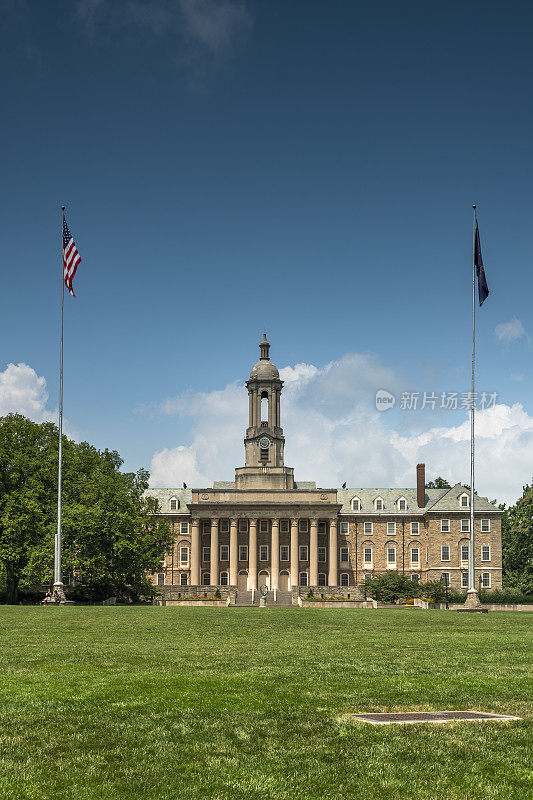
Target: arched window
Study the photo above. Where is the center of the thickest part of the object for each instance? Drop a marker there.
(378, 504)
(174, 504)
(345, 579)
(264, 406)
(224, 578)
(402, 504)
(356, 504)
(206, 579)
(303, 579)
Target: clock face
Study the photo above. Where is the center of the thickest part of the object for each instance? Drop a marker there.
(264, 443)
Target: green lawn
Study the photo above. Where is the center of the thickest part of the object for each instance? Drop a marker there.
(247, 703)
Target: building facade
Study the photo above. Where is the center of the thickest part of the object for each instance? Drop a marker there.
(267, 529)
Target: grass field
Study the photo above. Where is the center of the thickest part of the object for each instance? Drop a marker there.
(247, 703)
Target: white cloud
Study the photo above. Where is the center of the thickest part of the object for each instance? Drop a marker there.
(511, 331)
(22, 391)
(334, 434)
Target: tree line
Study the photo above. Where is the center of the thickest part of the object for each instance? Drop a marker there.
(111, 534)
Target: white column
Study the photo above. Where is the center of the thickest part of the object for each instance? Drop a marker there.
(294, 553)
(195, 552)
(233, 553)
(274, 557)
(252, 554)
(332, 574)
(313, 553)
(213, 579)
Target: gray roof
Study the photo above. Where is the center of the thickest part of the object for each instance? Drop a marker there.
(438, 500)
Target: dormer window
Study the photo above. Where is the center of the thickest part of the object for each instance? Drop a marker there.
(378, 504)
(402, 504)
(356, 504)
(464, 500)
(174, 504)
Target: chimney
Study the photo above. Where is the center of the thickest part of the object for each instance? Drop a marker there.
(421, 485)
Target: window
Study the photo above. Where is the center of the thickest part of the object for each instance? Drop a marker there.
(391, 528)
(224, 579)
(243, 552)
(263, 552)
(321, 555)
(284, 526)
(174, 504)
(445, 525)
(485, 580)
(356, 504)
(378, 504)
(415, 530)
(445, 578)
(303, 578)
(322, 527)
(367, 555)
(415, 578)
(485, 552)
(464, 580)
(391, 555)
(224, 525)
(184, 554)
(345, 529)
(284, 552)
(415, 555)
(302, 527)
(402, 504)
(345, 579)
(206, 579)
(465, 525)
(243, 525)
(183, 579)
(263, 525)
(368, 528)
(303, 553)
(485, 525)
(445, 552)
(464, 552)
(206, 553)
(465, 501)
(224, 552)
(321, 578)
(184, 527)
(206, 526)
(160, 578)
(344, 555)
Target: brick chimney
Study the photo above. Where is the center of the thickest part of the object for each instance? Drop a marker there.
(421, 485)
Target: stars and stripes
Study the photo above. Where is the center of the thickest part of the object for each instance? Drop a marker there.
(71, 257)
(482, 287)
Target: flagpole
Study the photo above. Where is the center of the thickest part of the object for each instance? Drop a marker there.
(58, 581)
(472, 595)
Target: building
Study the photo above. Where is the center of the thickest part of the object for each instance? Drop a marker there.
(267, 529)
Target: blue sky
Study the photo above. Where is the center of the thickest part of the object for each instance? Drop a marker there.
(303, 168)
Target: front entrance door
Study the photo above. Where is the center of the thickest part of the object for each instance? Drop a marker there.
(284, 581)
(264, 579)
(242, 581)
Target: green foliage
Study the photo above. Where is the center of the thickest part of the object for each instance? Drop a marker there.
(217, 594)
(111, 533)
(438, 483)
(390, 587)
(517, 543)
(511, 596)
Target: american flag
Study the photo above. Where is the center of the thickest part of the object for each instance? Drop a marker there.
(71, 257)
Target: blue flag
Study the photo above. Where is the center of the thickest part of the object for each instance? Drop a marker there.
(482, 288)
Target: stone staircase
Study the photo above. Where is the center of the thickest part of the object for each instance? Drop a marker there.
(245, 599)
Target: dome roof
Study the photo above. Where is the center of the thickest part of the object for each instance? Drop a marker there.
(264, 370)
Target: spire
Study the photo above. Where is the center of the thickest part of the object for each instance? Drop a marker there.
(264, 348)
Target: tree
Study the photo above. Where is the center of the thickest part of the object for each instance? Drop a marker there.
(438, 483)
(517, 543)
(27, 452)
(112, 534)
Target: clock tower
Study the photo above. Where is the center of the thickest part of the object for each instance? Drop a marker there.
(264, 441)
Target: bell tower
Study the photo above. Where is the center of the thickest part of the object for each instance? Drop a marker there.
(264, 441)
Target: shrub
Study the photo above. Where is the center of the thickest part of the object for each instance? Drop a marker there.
(217, 594)
(390, 587)
(505, 596)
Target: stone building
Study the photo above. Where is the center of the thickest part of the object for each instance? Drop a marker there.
(267, 529)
